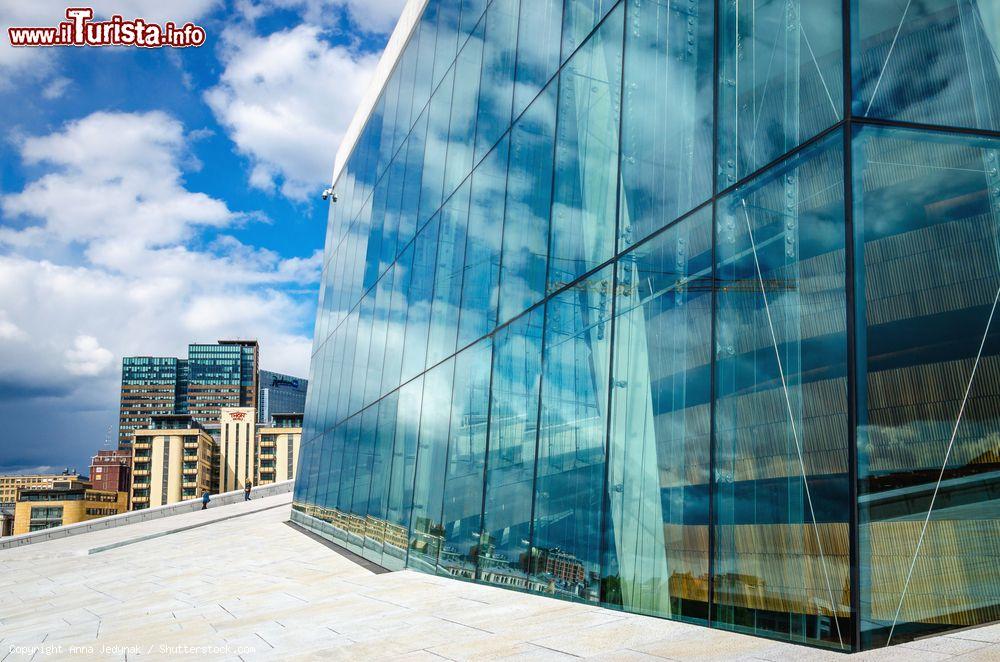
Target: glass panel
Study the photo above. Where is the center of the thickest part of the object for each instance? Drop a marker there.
(581, 16)
(449, 13)
(414, 152)
(932, 62)
(927, 217)
(392, 365)
(472, 11)
(503, 547)
(569, 489)
(667, 114)
(448, 276)
(463, 476)
(363, 478)
(462, 130)
(529, 196)
(781, 443)
(404, 457)
(586, 181)
(418, 301)
(381, 467)
(424, 76)
(496, 93)
(436, 150)
(482, 249)
(426, 532)
(380, 330)
(780, 79)
(540, 27)
(345, 520)
(658, 478)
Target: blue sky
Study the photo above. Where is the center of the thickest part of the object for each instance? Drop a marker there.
(152, 198)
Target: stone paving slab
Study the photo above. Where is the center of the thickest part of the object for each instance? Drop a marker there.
(254, 588)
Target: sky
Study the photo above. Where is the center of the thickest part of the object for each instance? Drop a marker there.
(150, 198)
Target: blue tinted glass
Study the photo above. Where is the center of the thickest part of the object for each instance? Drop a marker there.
(426, 532)
(586, 180)
(666, 114)
(496, 93)
(393, 362)
(436, 150)
(463, 476)
(449, 16)
(539, 31)
(404, 457)
(781, 448)
(932, 62)
(482, 248)
(780, 79)
(385, 432)
(448, 276)
(927, 218)
(569, 494)
(581, 16)
(462, 130)
(511, 456)
(418, 301)
(658, 476)
(414, 154)
(529, 196)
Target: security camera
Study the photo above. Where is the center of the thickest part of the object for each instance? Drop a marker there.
(328, 192)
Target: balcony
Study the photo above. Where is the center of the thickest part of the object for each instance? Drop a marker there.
(189, 484)
(142, 445)
(267, 456)
(191, 444)
(188, 472)
(140, 472)
(190, 458)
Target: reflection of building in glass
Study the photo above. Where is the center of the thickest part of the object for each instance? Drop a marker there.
(280, 394)
(629, 302)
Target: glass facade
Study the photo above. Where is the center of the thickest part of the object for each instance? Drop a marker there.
(679, 307)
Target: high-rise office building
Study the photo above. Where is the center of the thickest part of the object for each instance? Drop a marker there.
(685, 307)
(213, 376)
(280, 394)
(175, 459)
(222, 375)
(151, 386)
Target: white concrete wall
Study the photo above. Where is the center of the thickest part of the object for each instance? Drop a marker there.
(135, 516)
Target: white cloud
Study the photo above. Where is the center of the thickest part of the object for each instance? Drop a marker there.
(286, 100)
(374, 16)
(87, 357)
(104, 255)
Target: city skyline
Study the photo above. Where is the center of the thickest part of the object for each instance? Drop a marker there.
(182, 209)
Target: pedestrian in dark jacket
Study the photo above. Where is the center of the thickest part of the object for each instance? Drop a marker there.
(246, 491)
(204, 500)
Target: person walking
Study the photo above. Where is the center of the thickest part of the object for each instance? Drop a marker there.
(205, 499)
(246, 491)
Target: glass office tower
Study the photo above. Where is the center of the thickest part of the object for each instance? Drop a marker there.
(681, 307)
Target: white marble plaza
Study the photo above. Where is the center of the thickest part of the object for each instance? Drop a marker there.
(243, 584)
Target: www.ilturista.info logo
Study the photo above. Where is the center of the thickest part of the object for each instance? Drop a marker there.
(80, 30)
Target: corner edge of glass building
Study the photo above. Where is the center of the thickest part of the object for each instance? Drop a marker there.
(681, 307)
